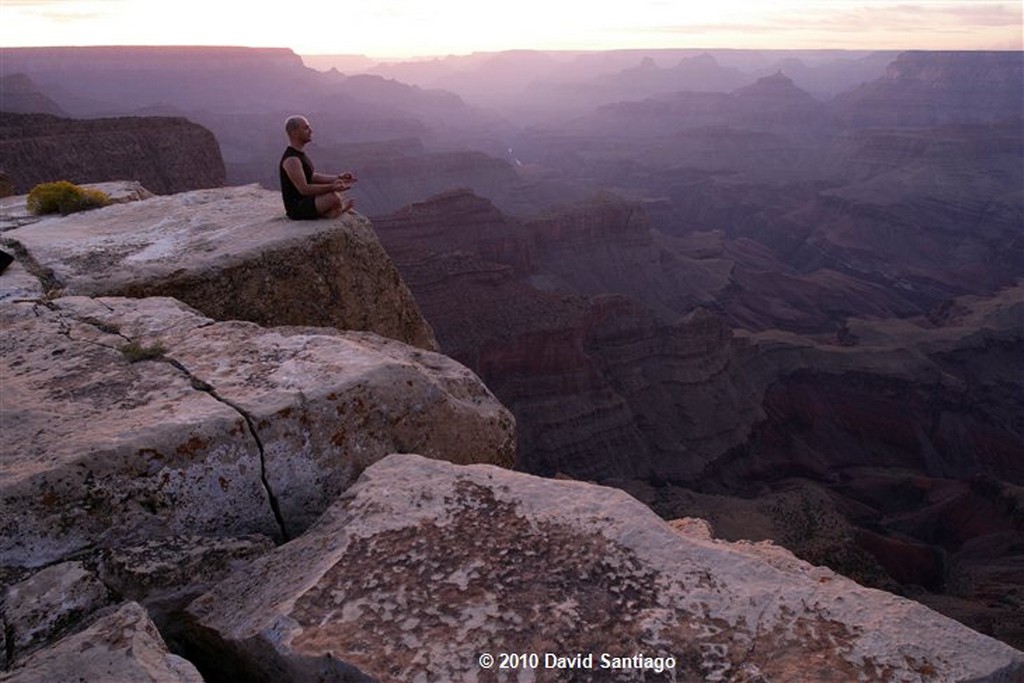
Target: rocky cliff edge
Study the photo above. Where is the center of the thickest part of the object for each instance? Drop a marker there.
(230, 253)
(154, 455)
(143, 439)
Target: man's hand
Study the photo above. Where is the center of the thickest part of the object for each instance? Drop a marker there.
(343, 181)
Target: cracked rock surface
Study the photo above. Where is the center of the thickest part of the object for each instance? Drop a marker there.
(134, 419)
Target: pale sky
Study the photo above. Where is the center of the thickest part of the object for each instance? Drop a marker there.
(405, 28)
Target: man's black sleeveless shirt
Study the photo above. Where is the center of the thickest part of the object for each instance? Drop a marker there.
(289, 193)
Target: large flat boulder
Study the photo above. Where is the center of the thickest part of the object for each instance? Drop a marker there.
(431, 571)
(232, 254)
(134, 419)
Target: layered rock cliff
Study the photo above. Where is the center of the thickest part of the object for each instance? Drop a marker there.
(935, 88)
(97, 80)
(166, 154)
(616, 388)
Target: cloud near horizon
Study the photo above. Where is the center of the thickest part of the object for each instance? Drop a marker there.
(413, 28)
(932, 25)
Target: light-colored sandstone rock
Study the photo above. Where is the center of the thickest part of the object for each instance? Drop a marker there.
(424, 566)
(98, 448)
(232, 254)
(122, 647)
(48, 602)
(232, 429)
(17, 283)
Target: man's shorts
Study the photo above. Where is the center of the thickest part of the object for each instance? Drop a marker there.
(305, 210)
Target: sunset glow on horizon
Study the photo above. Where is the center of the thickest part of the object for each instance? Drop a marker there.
(405, 28)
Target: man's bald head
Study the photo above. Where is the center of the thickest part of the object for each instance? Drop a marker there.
(293, 123)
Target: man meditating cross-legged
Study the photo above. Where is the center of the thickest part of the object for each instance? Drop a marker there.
(307, 194)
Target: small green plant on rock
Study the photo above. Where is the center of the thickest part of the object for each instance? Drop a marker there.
(135, 351)
(63, 197)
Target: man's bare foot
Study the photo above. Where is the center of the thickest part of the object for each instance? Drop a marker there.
(346, 206)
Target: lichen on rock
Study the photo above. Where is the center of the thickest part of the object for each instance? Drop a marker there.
(423, 566)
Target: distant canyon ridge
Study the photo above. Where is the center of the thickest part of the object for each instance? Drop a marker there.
(165, 154)
(778, 290)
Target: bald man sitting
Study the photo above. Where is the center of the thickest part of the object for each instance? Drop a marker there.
(309, 195)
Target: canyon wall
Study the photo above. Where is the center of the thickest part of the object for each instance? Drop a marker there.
(651, 384)
(934, 88)
(167, 155)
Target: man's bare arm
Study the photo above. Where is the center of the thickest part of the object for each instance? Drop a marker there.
(348, 178)
(322, 184)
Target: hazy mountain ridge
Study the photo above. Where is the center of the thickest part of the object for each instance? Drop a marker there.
(532, 82)
(20, 95)
(243, 95)
(928, 89)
